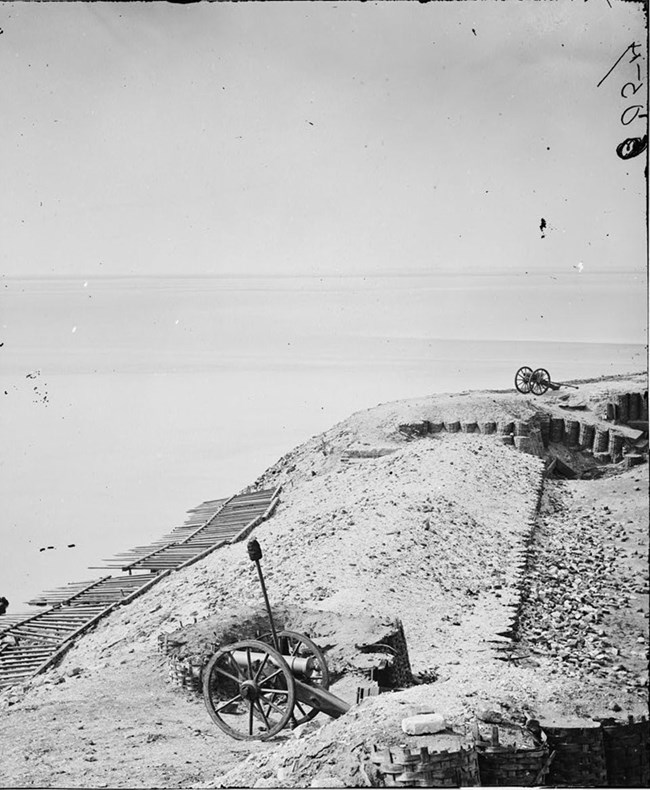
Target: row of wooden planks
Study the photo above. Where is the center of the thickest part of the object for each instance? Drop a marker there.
(29, 643)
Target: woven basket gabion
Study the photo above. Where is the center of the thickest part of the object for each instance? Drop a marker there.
(626, 754)
(402, 767)
(513, 767)
(580, 756)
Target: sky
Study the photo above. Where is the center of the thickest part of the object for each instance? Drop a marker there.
(225, 226)
(319, 139)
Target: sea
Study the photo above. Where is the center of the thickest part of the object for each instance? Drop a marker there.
(126, 401)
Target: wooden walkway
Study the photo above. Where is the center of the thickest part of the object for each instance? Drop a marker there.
(29, 643)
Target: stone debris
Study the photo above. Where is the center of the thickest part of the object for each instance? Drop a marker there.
(577, 584)
(424, 723)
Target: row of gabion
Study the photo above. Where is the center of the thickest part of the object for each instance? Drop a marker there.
(184, 674)
(181, 671)
(628, 407)
(605, 444)
(508, 432)
(610, 755)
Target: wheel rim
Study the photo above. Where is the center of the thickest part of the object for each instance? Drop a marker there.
(522, 379)
(540, 381)
(248, 690)
(298, 645)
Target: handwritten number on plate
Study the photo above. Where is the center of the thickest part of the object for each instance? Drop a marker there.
(636, 54)
(634, 89)
(637, 108)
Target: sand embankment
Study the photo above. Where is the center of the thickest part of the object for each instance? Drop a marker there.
(427, 530)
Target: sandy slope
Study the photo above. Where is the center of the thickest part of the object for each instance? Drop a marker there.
(427, 532)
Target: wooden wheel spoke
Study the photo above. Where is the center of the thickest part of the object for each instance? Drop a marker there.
(223, 672)
(523, 379)
(264, 716)
(301, 646)
(270, 677)
(223, 705)
(272, 704)
(261, 666)
(300, 708)
(236, 666)
(262, 705)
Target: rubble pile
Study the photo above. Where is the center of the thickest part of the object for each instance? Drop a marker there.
(584, 607)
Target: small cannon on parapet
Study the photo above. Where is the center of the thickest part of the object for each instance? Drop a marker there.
(254, 688)
(537, 381)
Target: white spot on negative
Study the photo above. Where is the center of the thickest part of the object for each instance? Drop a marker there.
(74, 329)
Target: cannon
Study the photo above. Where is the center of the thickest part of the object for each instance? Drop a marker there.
(254, 688)
(537, 381)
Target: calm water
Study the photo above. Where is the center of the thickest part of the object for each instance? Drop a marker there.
(127, 402)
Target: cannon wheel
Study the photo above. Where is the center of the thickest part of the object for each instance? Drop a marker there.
(540, 381)
(522, 379)
(294, 644)
(252, 699)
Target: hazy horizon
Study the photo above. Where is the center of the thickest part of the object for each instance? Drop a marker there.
(226, 226)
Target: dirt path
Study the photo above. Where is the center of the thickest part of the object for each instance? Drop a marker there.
(116, 726)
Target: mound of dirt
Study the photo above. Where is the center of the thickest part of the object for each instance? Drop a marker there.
(371, 528)
(350, 644)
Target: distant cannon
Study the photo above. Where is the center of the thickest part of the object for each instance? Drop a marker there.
(537, 381)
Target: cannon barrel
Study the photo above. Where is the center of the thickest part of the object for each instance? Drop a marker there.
(297, 664)
(313, 696)
(320, 699)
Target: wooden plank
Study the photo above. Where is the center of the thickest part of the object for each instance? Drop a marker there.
(154, 580)
(10, 678)
(75, 608)
(132, 565)
(39, 638)
(25, 654)
(38, 628)
(88, 586)
(250, 527)
(201, 555)
(62, 622)
(212, 517)
(27, 619)
(22, 663)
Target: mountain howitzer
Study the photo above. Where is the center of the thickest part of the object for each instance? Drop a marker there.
(537, 381)
(254, 688)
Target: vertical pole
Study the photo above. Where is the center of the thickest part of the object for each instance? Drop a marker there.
(268, 606)
(255, 553)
